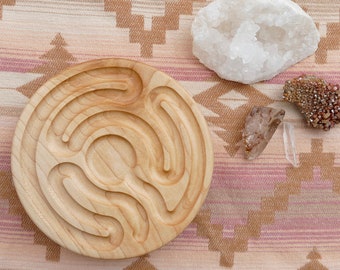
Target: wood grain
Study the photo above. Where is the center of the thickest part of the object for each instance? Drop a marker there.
(112, 158)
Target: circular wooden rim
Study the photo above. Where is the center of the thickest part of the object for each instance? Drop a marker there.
(112, 158)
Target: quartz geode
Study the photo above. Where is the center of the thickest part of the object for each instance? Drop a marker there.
(317, 100)
(261, 124)
(252, 40)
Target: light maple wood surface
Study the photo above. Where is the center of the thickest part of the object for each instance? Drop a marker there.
(112, 158)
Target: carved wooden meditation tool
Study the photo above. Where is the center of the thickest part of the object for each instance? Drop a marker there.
(112, 158)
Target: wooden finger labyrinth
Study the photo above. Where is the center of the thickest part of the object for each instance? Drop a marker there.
(112, 158)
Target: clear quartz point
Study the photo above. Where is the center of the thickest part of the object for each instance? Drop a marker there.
(261, 123)
(289, 143)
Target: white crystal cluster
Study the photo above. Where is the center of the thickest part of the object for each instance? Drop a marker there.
(252, 40)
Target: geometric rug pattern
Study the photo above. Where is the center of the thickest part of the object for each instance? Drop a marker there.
(260, 214)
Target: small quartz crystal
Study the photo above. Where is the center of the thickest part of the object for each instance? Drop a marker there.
(289, 144)
(252, 40)
(317, 100)
(261, 123)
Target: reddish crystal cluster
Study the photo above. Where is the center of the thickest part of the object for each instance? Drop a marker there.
(317, 100)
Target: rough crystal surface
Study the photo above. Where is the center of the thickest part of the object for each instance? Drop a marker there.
(261, 123)
(252, 40)
(317, 100)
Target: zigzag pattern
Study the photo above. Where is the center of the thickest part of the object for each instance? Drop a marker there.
(330, 42)
(269, 205)
(157, 35)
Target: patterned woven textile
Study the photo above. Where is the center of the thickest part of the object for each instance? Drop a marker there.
(261, 214)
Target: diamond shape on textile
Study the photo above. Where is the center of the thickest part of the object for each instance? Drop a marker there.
(230, 118)
(233, 99)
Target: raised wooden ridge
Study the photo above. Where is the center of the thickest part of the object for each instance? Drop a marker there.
(112, 158)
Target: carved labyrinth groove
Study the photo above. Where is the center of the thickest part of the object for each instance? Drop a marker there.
(112, 159)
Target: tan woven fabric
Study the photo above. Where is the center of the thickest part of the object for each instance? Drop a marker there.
(264, 214)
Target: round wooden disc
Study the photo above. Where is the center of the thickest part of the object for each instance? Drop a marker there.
(112, 158)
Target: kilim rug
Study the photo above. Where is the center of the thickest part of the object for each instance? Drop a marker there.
(264, 214)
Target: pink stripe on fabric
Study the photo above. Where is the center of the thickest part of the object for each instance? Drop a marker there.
(287, 222)
(18, 65)
(332, 77)
(186, 74)
(182, 74)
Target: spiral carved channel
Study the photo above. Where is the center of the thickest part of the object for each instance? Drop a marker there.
(112, 159)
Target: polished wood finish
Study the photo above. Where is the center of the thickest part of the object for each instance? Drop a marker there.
(112, 158)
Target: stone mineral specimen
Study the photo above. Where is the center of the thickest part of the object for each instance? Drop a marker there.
(317, 100)
(252, 40)
(289, 144)
(261, 124)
